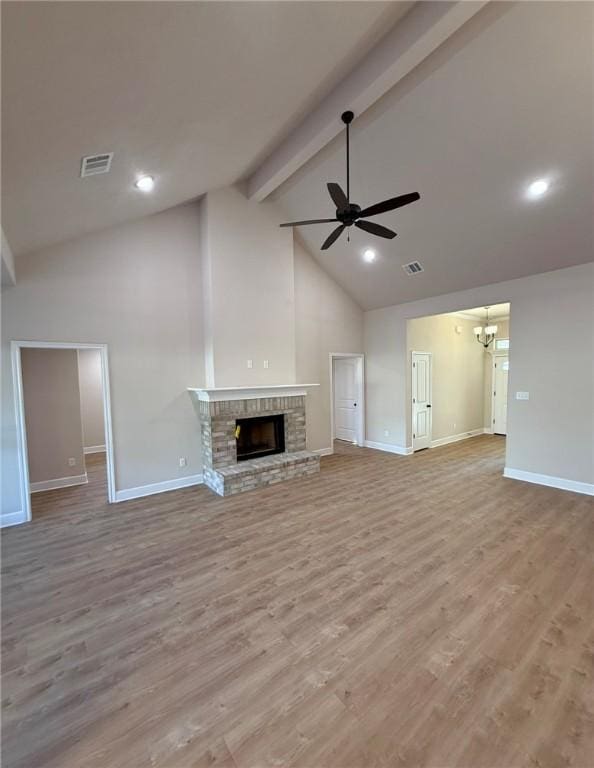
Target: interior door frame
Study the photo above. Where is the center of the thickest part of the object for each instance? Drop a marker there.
(412, 405)
(360, 389)
(21, 429)
(495, 356)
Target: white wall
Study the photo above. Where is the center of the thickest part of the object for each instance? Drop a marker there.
(552, 338)
(457, 372)
(91, 397)
(137, 288)
(249, 291)
(8, 272)
(265, 298)
(52, 413)
(326, 320)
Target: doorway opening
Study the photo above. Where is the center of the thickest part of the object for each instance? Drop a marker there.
(63, 415)
(457, 379)
(347, 393)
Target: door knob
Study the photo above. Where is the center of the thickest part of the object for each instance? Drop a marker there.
(355, 405)
(428, 406)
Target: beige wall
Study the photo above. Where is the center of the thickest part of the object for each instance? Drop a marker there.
(248, 291)
(91, 397)
(326, 320)
(457, 372)
(137, 288)
(52, 413)
(551, 332)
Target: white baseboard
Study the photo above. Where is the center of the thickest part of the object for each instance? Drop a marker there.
(59, 482)
(398, 449)
(12, 518)
(94, 449)
(324, 451)
(552, 482)
(456, 438)
(166, 485)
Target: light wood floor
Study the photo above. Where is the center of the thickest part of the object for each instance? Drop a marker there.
(394, 611)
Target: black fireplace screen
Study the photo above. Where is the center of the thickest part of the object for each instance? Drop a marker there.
(260, 436)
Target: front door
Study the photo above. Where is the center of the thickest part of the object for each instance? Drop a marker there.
(421, 400)
(500, 378)
(345, 399)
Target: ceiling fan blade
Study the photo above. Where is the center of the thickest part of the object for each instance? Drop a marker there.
(310, 221)
(334, 235)
(375, 229)
(389, 205)
(338, 196)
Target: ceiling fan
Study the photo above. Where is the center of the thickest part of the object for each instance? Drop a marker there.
(348, 213)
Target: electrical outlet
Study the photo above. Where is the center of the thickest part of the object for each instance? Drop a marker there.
(72, 462)
(250, 363)
(522, 395)
(454, 426)
(386, 433)
(265, 363)
(183, 461)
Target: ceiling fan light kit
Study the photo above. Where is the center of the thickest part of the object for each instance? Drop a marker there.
(348, 213)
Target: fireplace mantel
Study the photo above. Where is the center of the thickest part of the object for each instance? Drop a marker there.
(219, 394)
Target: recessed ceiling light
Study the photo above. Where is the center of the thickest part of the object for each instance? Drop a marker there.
(538, 188)
(369, 255)
(145, 183)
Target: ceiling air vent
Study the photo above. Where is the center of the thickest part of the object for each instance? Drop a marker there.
(91, 165)
(413, 268)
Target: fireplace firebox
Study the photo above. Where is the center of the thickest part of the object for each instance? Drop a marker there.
(260, 436)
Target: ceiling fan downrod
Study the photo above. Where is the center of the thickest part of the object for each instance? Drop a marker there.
(347, 119)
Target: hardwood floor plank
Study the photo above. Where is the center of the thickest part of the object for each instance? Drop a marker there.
(392, 611)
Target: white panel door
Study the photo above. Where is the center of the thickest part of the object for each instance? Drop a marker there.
(345, 399)
(421, 400)
(501, 367)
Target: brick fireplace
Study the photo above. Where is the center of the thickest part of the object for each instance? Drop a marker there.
(253, 436)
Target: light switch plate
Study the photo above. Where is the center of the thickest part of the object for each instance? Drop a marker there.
(250, 363)
(522, 395)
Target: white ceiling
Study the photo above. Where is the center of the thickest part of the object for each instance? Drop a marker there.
(506, 100)
(195, 93)
(198, 94)
(496, 312)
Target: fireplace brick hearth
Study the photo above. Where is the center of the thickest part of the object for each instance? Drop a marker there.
(218, 421)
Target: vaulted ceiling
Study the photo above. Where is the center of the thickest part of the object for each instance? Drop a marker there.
(202, 95)
(506, 100)
(194, 93)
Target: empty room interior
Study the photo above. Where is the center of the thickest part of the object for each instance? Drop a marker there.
(297, 390)
(63, 414)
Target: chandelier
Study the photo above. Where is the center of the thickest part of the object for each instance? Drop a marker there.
(485, 334)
